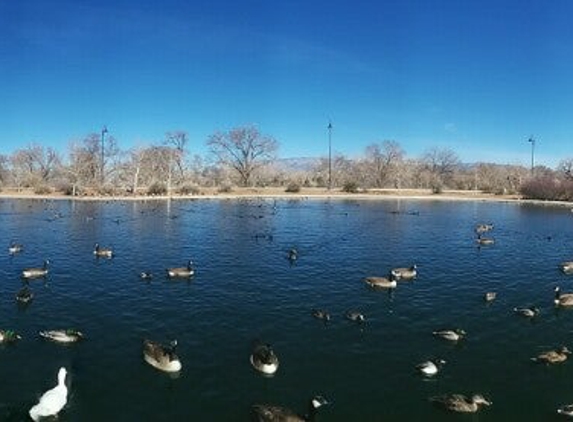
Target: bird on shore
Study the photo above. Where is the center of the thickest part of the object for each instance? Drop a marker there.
(100, 252)
(490, 296)
(529, 312)
(563, 299)
(460, 403)
(69, 335)
(553, 356)
(381, 282)
(264, 359)
(321, 314)
(36, 272)
(181, 272)
(450, 335)
(355, 316)
(9, 336)
(404, 273)
(271, 413)
(160, 356)
(566, 267)
(52, 401)
(24, 295)
(430, 367)
(14, 248)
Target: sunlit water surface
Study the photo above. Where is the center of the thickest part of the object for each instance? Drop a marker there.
(246, 289)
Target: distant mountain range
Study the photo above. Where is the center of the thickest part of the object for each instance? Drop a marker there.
(296, 164)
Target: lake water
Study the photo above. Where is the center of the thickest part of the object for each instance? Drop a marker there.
(246, 289)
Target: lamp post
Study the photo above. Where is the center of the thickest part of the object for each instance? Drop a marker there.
(329, 155)
(103, 132)
(532, 141)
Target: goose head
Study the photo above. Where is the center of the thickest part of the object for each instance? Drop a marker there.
(480, 400)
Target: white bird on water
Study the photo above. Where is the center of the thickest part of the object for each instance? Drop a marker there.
(52, 401)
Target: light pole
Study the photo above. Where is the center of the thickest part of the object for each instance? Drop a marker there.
(329, 155)
(103, 132)
(532, 141)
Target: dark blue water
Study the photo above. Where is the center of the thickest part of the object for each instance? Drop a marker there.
(246, 289)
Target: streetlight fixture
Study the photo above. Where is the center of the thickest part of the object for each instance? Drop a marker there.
(532, 141)
(329, 155)
(103, 132)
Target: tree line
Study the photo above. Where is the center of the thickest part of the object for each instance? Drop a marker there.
(244, 156)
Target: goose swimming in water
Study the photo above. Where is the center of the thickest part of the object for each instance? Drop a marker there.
(264, 359)
(321, 314)
(553, 356)
(566, 410)
(36, 272)
(460, 403)
(484, 240)
(381, 282)
(14, 248)
(52, 401)
(292, 255)
(450, 335)
(24, 295)
(566, 267)
(9, 336)
(100, 252)
(181, 272)
(160, 356)
(63, 336)
(270, 413)
(563, 299)
(530, 312)
(490, 296)
(483, 228)
(145, 275)
(408, 273)
(355, 316)
(430, 367)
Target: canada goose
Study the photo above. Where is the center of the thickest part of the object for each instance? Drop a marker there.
(36, 272)
(485, 240)
(381, 282)
(483, 228)
(24, 295)
(490, 296)
(52, 401)
(145, 275)
(563, 299)
(566, 267)
(530, 312)
(566, 410)
(430, 367)
(14, 248)
(160, 356)
(321, 314)
(62, 336)
(270, 413)
(100, 252)
(181, 272)
(460, 403)
(264, 359)
(8, 336)
(408, 273)
(451, 335)
(292, 255)
(553, 356)
(355, 316)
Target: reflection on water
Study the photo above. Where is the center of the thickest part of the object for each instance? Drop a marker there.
(246, 288)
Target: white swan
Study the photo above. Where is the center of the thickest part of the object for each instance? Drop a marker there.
(52, 401)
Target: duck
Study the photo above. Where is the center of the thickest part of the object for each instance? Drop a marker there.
(484, 240)
(145, 275)
(430, 367)
(9, 336)
(181, 272)
(460, 403)
(36, 272)
(403, 273)
(566, 267)
(14, 248)
(563, 299)
(264, 359)
(530, 312)
(321, 314)
(100, 252)
(490, 296)
(292, 255)
(24, 295)
(566, 410)
(381, 282)
(483, 228)
(451, 335)
(553, 356)
(52, 401)
(355, 316)
(271, 413)
(160, 356)
(69, 335)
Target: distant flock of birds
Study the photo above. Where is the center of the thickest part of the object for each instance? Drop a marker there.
(264, 359)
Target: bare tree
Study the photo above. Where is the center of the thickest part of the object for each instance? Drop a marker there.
(565, 168)
(178, 140)
(382, 161)
(34, 165)
(244, 149)
(440, 163)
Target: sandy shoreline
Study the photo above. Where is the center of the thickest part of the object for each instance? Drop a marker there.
(306, 193)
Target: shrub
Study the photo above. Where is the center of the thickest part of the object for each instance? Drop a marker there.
(547, 188)
(189, 190)
(225, 188)
(42, 190)
(157, 188)
(293, 187)
(350, 187)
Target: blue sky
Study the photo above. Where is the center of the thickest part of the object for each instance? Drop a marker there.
(479, 77)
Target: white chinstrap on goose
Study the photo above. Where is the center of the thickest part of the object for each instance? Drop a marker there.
(160, 356)
(36, 272)
(52, 401)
